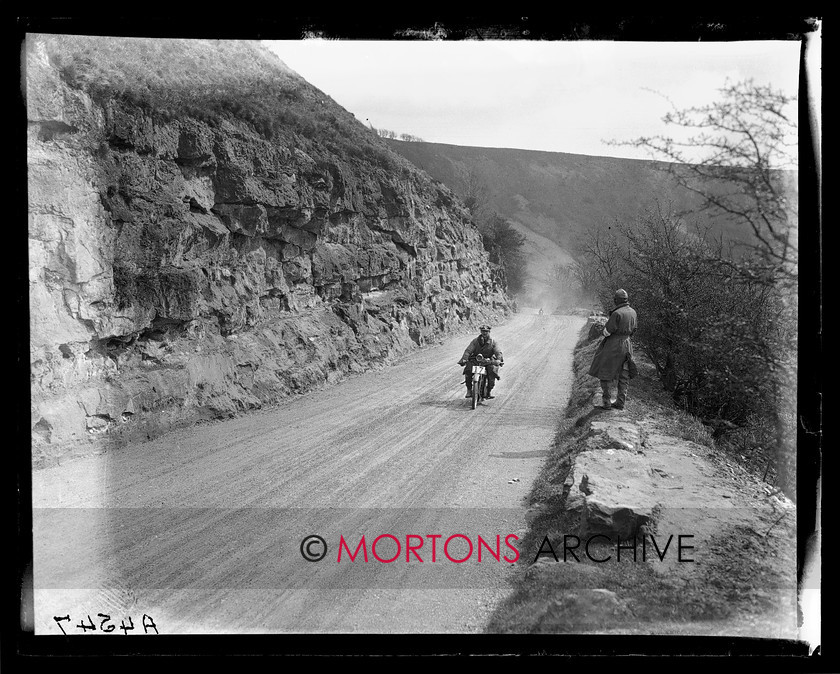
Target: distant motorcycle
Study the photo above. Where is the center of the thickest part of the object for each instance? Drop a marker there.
(479, 377)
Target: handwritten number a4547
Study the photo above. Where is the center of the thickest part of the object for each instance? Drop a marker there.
(106, 624)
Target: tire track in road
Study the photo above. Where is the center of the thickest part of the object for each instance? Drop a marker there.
(400, 440)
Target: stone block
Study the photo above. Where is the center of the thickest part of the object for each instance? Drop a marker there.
(614, 434)
(611, 491)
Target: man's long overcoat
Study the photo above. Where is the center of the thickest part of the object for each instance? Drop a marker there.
(488, 349)
(613, 350)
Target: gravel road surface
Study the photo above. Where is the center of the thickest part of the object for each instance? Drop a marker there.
(201, 530)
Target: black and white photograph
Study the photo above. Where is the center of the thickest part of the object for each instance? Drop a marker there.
(430, 338)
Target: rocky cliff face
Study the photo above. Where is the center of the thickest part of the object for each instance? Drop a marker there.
(182, 271)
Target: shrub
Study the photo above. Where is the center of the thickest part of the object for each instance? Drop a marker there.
(720, 338)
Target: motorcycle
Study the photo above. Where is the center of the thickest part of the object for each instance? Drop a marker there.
(479, 367)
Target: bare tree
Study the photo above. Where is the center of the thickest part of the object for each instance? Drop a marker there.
(599, 265)
(474, 192)
(741, 162)
(569, 283)
(738, 155)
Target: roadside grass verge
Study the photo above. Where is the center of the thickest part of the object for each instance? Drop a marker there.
(553, 592)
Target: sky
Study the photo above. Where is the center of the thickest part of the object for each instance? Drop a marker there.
(557, 96)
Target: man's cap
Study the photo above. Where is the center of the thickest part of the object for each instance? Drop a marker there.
(620, 295)
(484, 327)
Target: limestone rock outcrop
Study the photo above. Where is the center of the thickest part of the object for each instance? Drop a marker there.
(181, 270)
(610, 485)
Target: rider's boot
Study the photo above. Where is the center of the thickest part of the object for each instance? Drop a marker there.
(469, 391)
(490, 392)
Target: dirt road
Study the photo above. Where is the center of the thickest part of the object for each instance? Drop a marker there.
(201, 530)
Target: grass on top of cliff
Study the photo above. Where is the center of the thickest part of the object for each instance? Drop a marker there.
(210, 80)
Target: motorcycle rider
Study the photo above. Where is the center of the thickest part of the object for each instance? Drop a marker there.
(488, 348)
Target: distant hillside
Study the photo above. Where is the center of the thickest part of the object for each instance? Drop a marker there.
(555, 197)
(555, 194)
(552, 198)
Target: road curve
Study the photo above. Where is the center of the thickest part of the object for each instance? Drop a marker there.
(201, 529)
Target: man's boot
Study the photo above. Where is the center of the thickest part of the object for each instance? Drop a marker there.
(606, 401)
(469, 391)
(621, 395)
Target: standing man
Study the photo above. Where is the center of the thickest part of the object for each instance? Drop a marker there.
(488, 348)
(610, 360)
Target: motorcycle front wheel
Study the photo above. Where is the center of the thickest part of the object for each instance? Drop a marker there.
(476, 391)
